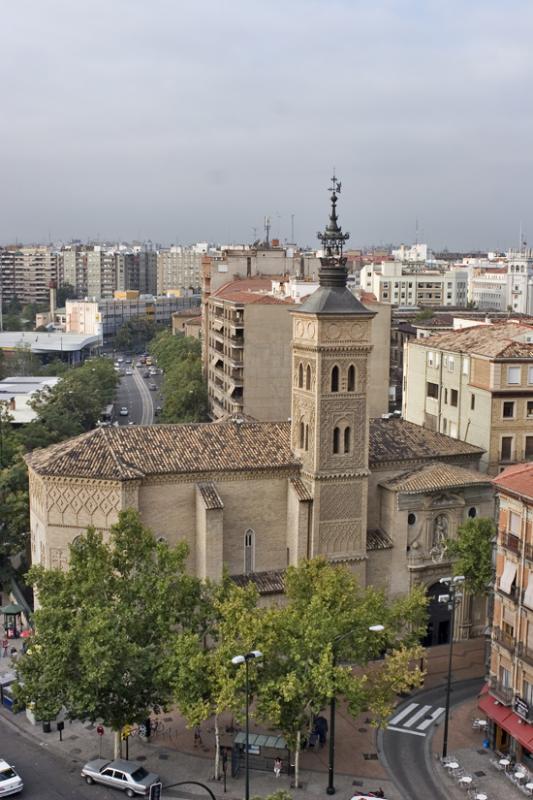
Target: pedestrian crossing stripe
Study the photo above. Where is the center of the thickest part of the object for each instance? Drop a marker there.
(414, 719)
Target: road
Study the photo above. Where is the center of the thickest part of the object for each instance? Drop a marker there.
(405, 751)
(133, 392)
(45, 776)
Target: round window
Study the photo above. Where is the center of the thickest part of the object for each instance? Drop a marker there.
(472, 512)
(411, 519)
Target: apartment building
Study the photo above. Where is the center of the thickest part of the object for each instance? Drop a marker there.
(106, 317)
(392, 282)
(508, 704)
(97, 271)
(475, 384)
(26, 273)
(179, 268)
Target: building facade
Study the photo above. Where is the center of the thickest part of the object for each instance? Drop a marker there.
(26, 273)
(394, 283)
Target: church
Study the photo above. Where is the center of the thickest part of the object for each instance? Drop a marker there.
(379, 495)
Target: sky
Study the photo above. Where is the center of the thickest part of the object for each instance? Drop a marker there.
(190, 121)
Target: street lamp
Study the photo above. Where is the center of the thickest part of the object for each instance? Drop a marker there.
(331, 759)
(245, 659)
(451, 598)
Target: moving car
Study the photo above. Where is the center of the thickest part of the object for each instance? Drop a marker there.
(129, 776)
(152, 387)
(153, 371)
(124, 411)
(10, 780)
(129, 372)
(120, 360)
(146, 374)
(158, 410)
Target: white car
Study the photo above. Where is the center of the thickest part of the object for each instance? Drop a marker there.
(129, 372)
(10, 780)
(124, 411)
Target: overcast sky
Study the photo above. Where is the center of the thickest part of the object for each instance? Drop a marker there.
(186, 121)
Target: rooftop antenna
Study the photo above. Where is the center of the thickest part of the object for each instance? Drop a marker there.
(254, 231)
(292, 228)
(268, 224)
(416, 231)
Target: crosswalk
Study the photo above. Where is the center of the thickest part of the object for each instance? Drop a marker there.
(414, 719)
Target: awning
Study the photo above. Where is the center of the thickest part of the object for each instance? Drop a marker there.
(509, 572)
(528, 594)
(508, 720)
(12, 608)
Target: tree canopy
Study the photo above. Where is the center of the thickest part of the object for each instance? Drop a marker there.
(184, 387)
(472, 551)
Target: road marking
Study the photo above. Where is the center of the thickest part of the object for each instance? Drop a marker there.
(403, 713)
(411, 721)
(405, 730)
(431, 719)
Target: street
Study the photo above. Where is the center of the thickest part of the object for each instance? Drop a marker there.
(45, 776)
(133, 392)
(405, 743)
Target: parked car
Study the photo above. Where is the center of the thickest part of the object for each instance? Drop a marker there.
(153, 371)
(10, 780)
(124, 411)
(146, 374)
(152, 387)
(158, 410)
(129, 372)
(120, 360)
(129, 776)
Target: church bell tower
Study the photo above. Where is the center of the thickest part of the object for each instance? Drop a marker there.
(329, 429)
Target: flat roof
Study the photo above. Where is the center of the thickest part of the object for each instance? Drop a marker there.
(25, 385)
(44, 342)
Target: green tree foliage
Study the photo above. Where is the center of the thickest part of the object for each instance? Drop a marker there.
(169, 349)
(184, 386)
(106, 626)
(135, 334)
(424, 315)
(472, 551)
(14, 504)
(64, 293)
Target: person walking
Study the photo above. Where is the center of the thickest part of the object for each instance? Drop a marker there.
(5, 645)
(278, 766)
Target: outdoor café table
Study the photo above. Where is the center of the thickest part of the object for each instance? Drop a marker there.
(452, 765)
(519, 775)
(529, 787)
(466, 779)
(481, 796)
(504, 762)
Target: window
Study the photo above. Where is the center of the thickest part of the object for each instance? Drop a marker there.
(302, 434)
(432, 390)
(505, 677)
(431, 359)
(472, 402)
(351, 378)
(411, 518)
(301, 376)
(506, 448)
(466, 365)
(508, 409)
(453, 397)
(445, 425)
(335, 379)
(453, 429)
(445, 396)
(530, 374)
(336, 440)
(530, 408)
(308, 377)
(527, 691)
(347, 437)
(528, 449)
(513, 375)
(307, 437)
(472, 512)
(451, 363)
(249, 548)
(514, 523)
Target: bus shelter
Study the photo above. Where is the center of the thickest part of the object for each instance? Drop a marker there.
(263, 749)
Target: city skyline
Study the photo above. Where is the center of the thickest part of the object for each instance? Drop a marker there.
(126, 122)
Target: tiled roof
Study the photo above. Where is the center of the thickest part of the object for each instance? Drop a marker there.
(435, 477)
(399, 440)
(499, 340)
(377, 539)
(132, 452)
(266, 582)
(210, 496)
(517, 479)
(301, 489)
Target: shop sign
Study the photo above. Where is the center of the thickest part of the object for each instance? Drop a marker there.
(521, 708)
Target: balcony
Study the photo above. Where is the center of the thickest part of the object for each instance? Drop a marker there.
(502, 693)
(511, 542)
(525, 653)
(504, 639)
(513, 594)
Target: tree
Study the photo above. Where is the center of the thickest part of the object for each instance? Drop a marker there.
(135, 334)
(424, 314)
(65, 292)
(472, 551)
(105, 627)
(325, 623)
(185, 392)
(169, 349)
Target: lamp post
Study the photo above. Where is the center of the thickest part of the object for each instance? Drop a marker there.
(245, 659)
(332, 703)
(451, 598)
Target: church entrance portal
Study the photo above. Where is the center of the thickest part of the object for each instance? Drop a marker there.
(439, 617)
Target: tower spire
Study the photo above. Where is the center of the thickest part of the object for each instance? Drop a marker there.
(333, 238)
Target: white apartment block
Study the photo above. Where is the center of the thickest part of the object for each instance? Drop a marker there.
(179, 268)
(105, 317)
(26, 273)
(507, 286)
(391, 282)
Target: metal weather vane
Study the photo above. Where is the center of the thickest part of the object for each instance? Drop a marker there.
(333, 238)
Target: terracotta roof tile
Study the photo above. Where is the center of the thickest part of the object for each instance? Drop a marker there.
(271, 582)
(132, 452)
(517, 479)
(501, 339)
(377, 539)
(301, 489)
(210, 495)
(399, 440)
(434, 477)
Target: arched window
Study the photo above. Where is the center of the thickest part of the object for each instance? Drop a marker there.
(350, 384)
(302, 434)
(336, 439)
(307, 437)
(249, 551)
(347, 437)
(301, 375)
(308, 377)
(335, 379)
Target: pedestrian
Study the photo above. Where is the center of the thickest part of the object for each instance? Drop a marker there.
(278, 766)
(14, 653)
(197, 736)
(5, 645)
